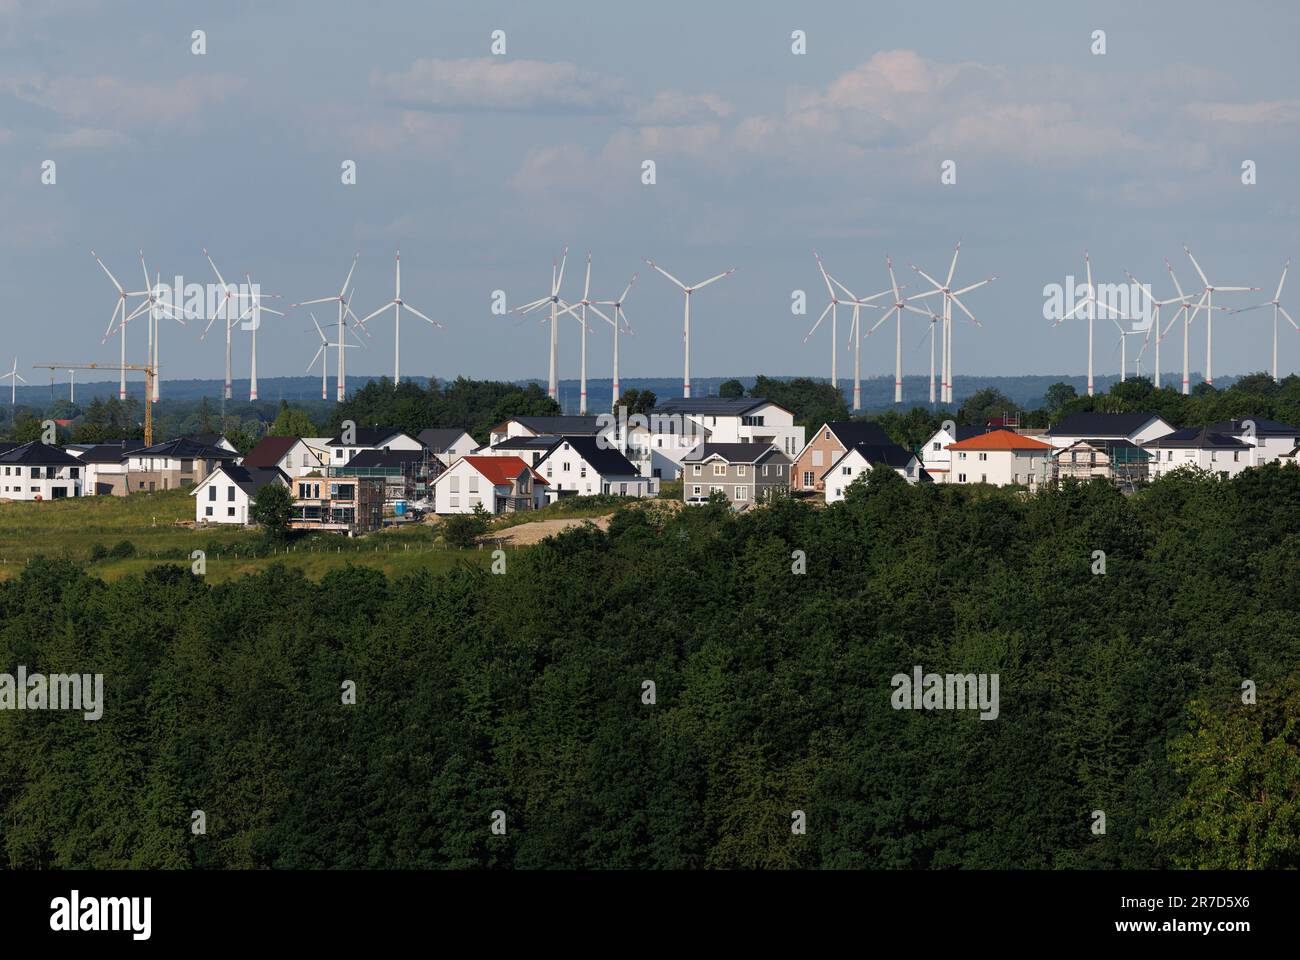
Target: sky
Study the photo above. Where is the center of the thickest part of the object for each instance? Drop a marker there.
(483, 167)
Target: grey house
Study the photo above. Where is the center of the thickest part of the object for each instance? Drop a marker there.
(746, 473)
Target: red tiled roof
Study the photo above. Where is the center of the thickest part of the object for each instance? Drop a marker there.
(1000, 440)
(502, 470)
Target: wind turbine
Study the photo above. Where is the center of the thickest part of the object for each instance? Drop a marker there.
(397, 303)
(1207, 299)
(1181, 300)
(157, 308)
(228, 294)
(950, 297)
(626, 327)
(344, 306)
(855, 332)
(13, 376)
(1276, 304)
(119, 309)
(688, 290)
(322, 352)
(833, 309)
(1092, 303)
(552, 385)
(572, 310)
(255, 308)
(900, 304)
(1187, 309)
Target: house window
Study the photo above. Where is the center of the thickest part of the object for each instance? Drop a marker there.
(473, 484)
(961, 455)
(961, 478)
(230, 494)
(742, 493)
(455, 484)
(984, 478)
(212, 493)
(826, 435)
(230, 511)
(817, 458)
(984, 456)
(719, 469)
(1236, 456)
(846, 471)
(740, 470)
(936, 445)
(695, 490)
(455, 502)
(807, 478)
(207, 511)
(765, 469)
(695, 470)
(712, 489)
(582, 471)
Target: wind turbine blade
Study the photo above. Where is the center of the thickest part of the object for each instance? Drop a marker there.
(344, 289)
(1174, 277)
(1199, 271)
(973, 286)
(889, 262)
(119, 286)
(307, 303)
(937, 285)
(319, 351)
(961, 306)
(1285, 267)
(952, 267)
(596, 310)
(727, 273)
(1282, 310)
(809, 334)
(318, 329)
(666, 274)
(422, 316)
(368, 317)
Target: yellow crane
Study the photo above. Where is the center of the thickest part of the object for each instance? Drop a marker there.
(148, 389)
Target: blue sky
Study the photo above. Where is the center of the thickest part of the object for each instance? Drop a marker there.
(482, 168)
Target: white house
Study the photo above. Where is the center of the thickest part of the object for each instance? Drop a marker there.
(999, 457)
(862, 458)
(225, 494)
(293, 455)
(448, 444)
(39, 471)
(543, 426)
(676, 427)
(106, 473)
(1137, 428)
(934, 453)
(1201, 447)
(342, 449)
(583, 466)
(498, 484)
(1271, 439)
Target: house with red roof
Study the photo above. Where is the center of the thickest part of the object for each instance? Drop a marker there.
(498, 484)
(1000, 458)
(290, 454)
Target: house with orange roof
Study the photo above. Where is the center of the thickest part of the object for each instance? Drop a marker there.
(497, 484)
(999, 457)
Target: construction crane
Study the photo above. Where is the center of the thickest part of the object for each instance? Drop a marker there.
(148, 381)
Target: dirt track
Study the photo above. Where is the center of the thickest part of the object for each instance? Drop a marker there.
(526, 534)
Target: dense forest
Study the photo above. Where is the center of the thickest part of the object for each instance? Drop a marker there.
(1121, 692)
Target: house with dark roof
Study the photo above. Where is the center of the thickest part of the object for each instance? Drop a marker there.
(829, 443)
(1219, 453)
(106, 467)
(746, 473)
(345, 446)
(407, 474)
(676, 427)
(448, 444)
(527, 448)
(210, 440)
(1138, 428)
(176, 463)
(543, 426)
(39, 471)
(225, 494)
(861, 458)
(1271, 439)
(290, 454)
(498, 484)
(586, 465)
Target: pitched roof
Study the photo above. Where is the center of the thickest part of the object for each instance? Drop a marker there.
(385, 458)
(557, 426)
(606, 461)
(108, 452)
(207, 439)
(502, 470)
(1198, 438)
(1101, 424)
(1263, 427)
(888, 453)
(1000, 440)
(852, 432)
(438, 439)
(543, 441)
(248, 479)
(713, 406)
(732, 452)
(367, 437)
(185, 448)
(40, 454)
(269, 451)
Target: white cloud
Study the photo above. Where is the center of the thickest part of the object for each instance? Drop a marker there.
(501, 85)
(671, 106)
(112, 101)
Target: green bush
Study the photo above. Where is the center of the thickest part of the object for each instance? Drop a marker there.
(122, 549)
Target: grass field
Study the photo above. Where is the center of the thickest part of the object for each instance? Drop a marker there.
(70, 529)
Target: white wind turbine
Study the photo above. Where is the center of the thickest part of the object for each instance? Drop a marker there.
(1188, 311)
(950, 297)
(1276, 304)
(900, 304)
(620, 325)
(688, 290)
(322, 352)
(342, 299)
(833, 309)
(1092, 303)
(572, 310)
(156, 308)
(1182, 301)
(855, 335)
(13, 376)
(255, 310)
(557, 279)
(119, 312)
(229, 304)
(1207, 301)
(397, 303)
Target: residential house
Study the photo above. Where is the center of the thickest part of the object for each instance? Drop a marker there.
(583, 466)
(829, 443)
(407, 474)
(527, 448)
(746, 473)
(177, 463)
(342, 449)
(1270, 438)
(861, 458)
(498, 484)
(225, 494)
(1122, 462)
(543, 426)
(448, 444)
(341, 504)
(290, 454)
(39, 471)
(106, 468)
(1200, 447)
(935, 456)
(1137, 428)
(999, 457)
(677, 427)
